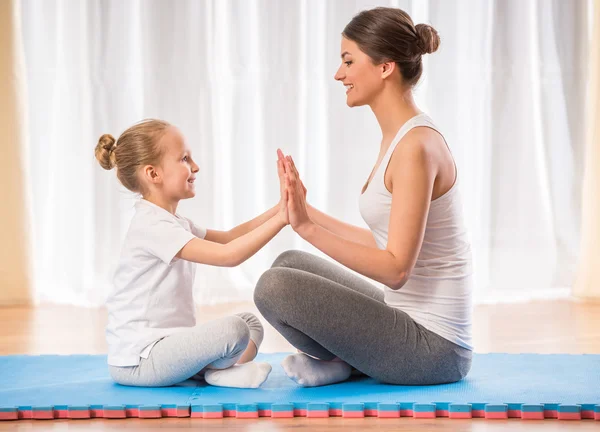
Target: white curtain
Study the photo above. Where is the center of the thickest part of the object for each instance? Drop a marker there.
(241, 78)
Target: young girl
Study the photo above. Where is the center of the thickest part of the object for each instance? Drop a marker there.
(152, 334)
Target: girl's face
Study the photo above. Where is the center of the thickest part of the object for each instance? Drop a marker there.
(177, 168)
(363, 80)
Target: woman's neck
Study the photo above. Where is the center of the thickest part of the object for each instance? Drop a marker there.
(392, 108)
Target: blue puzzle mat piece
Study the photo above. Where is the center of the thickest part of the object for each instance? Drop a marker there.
(494, 378)
(76, 380)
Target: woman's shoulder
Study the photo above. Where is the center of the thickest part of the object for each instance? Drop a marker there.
(424, 132)
(423, 139)
(419, 144)
(422, 149)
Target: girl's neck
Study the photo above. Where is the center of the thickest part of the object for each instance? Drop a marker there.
(169, 206)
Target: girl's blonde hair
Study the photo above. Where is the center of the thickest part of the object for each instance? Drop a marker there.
(138, 146)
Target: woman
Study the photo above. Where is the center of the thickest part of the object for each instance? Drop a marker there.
(418, 330)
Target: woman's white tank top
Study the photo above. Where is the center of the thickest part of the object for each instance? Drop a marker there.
(438, 294)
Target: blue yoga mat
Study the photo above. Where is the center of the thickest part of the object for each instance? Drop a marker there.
(497, 383)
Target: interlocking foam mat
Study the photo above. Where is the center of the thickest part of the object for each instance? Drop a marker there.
(526, 386)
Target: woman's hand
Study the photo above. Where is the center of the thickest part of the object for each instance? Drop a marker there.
(283, 200)
(296, 199)
(281, 157)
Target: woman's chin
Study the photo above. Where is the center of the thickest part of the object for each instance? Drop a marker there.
(351, 102)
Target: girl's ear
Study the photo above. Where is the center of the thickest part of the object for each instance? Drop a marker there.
(151, 174)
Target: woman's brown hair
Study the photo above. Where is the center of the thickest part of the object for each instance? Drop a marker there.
(389, 34)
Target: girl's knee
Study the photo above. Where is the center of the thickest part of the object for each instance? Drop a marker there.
(251, 320)
(235, 330)
(257, 331)
(235, 337)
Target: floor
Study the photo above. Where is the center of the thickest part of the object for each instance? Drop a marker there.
(540, 327)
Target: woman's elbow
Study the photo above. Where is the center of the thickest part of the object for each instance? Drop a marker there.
(398, 280)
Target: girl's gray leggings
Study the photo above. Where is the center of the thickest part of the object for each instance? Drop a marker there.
(327, 312)
(216, 344)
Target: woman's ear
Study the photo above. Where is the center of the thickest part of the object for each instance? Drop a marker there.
(387, 69)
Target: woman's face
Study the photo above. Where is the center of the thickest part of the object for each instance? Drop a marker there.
(363, 80)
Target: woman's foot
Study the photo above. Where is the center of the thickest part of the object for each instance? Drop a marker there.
(247, 375)
(310, 372)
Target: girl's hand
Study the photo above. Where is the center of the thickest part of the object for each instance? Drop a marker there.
(297, 212)
(281, 157)
(283, 201)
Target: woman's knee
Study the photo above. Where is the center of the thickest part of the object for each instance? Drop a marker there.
(276, 286)
(464, 365)
(289, 258)
(268, 284)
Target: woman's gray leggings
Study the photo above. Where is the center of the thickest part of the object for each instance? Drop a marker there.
(327, 312)
(216, 344)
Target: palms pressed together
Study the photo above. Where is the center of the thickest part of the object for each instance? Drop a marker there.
(292, 205)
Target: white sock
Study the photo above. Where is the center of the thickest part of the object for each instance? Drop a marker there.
(247, 375)
(310, 372)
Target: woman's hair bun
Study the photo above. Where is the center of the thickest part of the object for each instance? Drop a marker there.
(428, 39)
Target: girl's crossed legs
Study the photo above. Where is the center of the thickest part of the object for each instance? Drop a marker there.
(211, 349)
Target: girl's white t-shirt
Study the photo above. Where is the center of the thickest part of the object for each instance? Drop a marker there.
(152, 296)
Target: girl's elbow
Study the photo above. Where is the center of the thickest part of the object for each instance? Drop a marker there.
(229, 257)
(233, 261)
